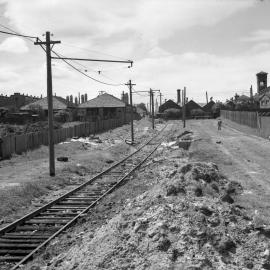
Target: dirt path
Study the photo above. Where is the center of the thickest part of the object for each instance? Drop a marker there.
(241, 157)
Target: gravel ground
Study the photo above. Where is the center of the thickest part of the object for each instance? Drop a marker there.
(176, 212)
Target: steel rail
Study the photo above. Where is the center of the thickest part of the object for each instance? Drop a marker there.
(37, 211)
(87, 209)
(13, 225)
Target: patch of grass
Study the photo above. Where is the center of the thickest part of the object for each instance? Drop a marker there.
(17, 197)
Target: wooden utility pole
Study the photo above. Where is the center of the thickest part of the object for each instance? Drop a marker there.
(152, 103)
(129, 84)
(48, 44)
(184, 107)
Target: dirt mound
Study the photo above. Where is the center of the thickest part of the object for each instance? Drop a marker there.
(183, 222)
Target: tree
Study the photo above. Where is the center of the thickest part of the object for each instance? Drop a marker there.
(142, 106)
(172, 113)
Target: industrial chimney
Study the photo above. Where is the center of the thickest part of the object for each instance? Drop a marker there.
(178, 96)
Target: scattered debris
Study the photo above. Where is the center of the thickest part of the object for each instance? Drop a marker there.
(63, 159)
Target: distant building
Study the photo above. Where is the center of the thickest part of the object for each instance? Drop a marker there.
(104, 106)
(191, 106)
(208, 107)
(263, 91)
(59, 103)
(169, 104)
(265, 101)
(15, 101)
(262, 82)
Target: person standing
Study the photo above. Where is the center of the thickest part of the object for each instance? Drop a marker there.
(219, 124)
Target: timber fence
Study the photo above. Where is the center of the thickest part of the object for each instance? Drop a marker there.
(242, 117)
(21, 143)
(261, 124)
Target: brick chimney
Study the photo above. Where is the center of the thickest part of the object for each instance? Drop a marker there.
(178, 96)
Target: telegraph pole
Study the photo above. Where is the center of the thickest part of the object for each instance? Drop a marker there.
(48, 44)
(129, 84)
(152, 103)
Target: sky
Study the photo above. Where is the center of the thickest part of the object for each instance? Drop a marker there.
(216, 46)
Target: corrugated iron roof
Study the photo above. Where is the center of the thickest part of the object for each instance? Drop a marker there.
(103, 101)
(43, 103)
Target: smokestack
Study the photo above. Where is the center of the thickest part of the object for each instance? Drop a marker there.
(76, 101)
(71, 98)
(79, 100)
(251, 93)
(82, 98)
(178, 96)
(85, 97)
(206, 97)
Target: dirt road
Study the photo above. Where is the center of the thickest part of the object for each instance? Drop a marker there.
(241, 157)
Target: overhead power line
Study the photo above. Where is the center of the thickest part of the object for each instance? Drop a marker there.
(70, 45)
(67, 59)
(14, 34)
(85, 73)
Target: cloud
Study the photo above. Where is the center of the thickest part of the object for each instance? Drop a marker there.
(14, 45)
(258, 36)
(133, 29)
(7, 75)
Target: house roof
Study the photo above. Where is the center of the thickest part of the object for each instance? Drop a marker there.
(169, 104)
(103, 101)
(208, 107)
(192, 105)
(58, 104)
(265, 94)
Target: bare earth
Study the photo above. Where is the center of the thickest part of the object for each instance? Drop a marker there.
(183, 209)
(241, 157)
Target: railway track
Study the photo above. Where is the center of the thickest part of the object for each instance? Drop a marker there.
(20, 240)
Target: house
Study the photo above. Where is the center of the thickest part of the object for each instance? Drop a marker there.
(265, 101)
(191, 106)
(58, 105)
(15, 101)
(103, 107)
(169, 104)
(208, 107)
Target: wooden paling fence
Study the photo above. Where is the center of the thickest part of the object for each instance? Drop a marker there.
(252, 119)
(21, 143)
(242, 117)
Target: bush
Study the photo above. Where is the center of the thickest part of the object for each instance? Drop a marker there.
(37, 109)
(172, 113)
(197, 112)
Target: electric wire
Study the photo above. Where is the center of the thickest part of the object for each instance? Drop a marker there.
(13, 34)
(89, 50)
(75, 68)
(57, 54)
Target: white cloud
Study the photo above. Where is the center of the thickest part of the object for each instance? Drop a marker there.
(133, 29)
(14, 45)
(7, 75)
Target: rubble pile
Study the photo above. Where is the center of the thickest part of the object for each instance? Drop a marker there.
(188, 220)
